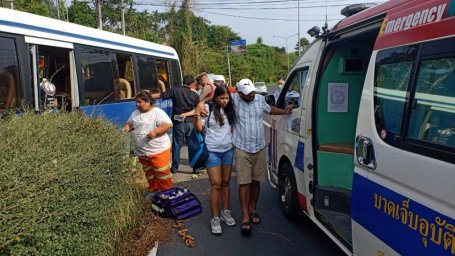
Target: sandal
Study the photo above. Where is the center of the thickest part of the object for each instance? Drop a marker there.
(246, 228)
(255, 218)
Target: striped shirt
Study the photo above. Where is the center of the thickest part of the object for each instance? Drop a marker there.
(249, 130)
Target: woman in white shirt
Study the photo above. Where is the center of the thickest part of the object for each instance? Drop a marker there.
(218, 139)
(153, 146)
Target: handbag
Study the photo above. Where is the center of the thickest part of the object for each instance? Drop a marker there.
(177, 203)
(197, 150)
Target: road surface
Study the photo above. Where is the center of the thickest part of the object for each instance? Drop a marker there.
(275, 235)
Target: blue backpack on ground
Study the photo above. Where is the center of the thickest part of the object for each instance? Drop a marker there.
(176, 202)
(197, 150)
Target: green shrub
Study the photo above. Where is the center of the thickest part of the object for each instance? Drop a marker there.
(64, 184)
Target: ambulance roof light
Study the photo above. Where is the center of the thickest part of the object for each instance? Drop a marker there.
(314, 31)
(355, 8)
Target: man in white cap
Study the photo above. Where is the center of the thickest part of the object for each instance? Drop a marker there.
(250, 153)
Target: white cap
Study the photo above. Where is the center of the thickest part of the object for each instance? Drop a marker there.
(245, 86)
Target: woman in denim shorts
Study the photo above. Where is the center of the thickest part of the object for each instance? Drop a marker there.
(218, 139)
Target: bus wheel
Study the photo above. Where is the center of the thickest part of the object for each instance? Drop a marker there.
(288, 191)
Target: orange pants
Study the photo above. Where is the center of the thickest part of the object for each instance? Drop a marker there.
(157, 170)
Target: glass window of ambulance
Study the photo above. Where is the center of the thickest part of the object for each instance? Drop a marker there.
(294, 87)
(392, 77)
(433, 112)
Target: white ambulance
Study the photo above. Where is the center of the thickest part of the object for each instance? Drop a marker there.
(368, 153)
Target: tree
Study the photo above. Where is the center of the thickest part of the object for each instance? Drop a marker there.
(220, 36)
(304, 43)
(186, 40)
(259, 40)
(200, 45)
(40, 7)
(81, 13)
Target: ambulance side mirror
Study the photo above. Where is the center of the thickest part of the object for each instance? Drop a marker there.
(270, 99)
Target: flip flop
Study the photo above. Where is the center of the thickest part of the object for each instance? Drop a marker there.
(255, 218)
(246, 228)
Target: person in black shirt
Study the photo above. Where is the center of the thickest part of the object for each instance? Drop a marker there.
(184, 100)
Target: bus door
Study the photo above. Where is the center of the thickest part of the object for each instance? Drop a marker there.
(52, 68)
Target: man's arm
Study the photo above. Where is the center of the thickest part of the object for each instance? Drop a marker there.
(279, 111)
(163, 95)
(187, 114)
(206, 91)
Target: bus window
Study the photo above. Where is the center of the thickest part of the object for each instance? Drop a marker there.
(162, 72)
(99, 72)
(175, 74)
(147, 74)
(433, 112)
(10, 89)
(392, 76)
(124, 84)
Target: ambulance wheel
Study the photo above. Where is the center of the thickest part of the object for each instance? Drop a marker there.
(288, 191)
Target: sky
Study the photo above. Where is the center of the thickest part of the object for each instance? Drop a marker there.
(273, 20)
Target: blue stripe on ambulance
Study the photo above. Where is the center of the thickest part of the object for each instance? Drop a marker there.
(406, 226)
(299, 156)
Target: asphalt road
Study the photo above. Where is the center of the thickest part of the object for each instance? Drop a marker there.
(275, 235)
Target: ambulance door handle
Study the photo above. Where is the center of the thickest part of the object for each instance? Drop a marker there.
(365, 152)
(310, 166)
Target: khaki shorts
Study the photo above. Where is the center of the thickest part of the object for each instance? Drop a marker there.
(250, 166)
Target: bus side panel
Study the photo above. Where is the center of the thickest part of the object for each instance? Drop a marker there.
(119, 112)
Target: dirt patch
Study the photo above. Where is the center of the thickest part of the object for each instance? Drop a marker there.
(150, 228)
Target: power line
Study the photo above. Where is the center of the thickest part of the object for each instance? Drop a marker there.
(262, 2)
(256, 2)
(259, 8)
(259, 18)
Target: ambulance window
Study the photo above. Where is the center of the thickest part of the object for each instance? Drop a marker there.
(433, 108)
(392, 77)
(295, 88)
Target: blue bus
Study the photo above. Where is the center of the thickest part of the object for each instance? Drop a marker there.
(52, 64)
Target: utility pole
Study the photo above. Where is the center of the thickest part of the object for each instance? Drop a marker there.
(298, 23)
(123, 16)
(58, 9)
(67, 13)
(229, 66)
(99, 4)
(11, 2)
(287, 51)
